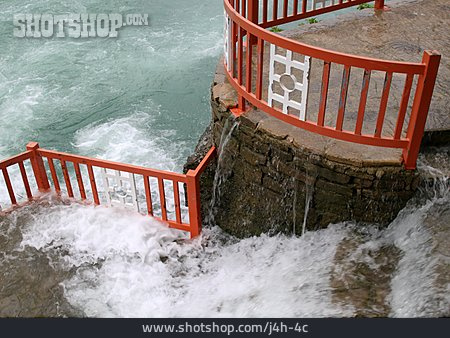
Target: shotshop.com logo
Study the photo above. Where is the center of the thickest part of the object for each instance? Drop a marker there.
(74, 25)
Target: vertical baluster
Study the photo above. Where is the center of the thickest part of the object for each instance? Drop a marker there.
(253, 16)
(9, 187)
(383, 104)
(233, 48)
(248, 68)
(275, 10)
(176, 196)
(240, 54)
(259, 74)
(265, 9)
(295, 9)
(324, 93)
(162, 198)
(304, 3)
(285, 8)
(234, 34)
(343, 98)
(51, 165)
(26, 184)
(148, 196)
(93, 185)
(80, 181)
(66, 178)
(403, 106)
(362, 102)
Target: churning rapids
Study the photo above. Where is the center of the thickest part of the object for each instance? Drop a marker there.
(61, 259)
(72, 260)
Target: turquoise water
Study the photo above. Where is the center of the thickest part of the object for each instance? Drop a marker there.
(141, 98)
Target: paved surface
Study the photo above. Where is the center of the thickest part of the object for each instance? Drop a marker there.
(355, 154)
(402, 33)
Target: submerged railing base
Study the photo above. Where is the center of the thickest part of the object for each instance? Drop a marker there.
(123, 189)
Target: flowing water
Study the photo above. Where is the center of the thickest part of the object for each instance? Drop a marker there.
(114, 263)
(144, 99)
(221, 173)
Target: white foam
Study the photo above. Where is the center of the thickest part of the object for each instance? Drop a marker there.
(17, 109)
(414, 290)
(131, 266)
(90, 234)
(133, 140)
(129, 140)
(261, 276)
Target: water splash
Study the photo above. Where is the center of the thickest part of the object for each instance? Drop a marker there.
(294, 213)
(309, 195)
(125, 266)
(310, 182)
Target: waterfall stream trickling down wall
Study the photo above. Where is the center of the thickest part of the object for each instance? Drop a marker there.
(221, 171)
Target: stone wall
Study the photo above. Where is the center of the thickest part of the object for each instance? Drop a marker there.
(269, 171)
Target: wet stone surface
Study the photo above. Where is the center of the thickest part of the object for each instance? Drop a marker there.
(29, 282)
(361, 277)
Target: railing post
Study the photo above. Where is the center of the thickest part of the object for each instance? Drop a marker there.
(421, 105)
(241, 105)
(193, 188)
(38, 167)
(379, 4)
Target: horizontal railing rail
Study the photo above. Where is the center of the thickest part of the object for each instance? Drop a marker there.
(277, 12)
(246, 45)
(120, 183)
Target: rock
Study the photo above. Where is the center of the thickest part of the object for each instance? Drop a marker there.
(364, 286)
(30, 283)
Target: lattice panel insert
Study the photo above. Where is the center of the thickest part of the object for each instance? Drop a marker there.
(290, 64)
(325, 3)
(120, 189)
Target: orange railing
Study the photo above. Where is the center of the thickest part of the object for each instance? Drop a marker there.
(246, 34)
(187, 220)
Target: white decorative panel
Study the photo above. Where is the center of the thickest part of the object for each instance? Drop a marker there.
(302, 86)
(227, 41)
(120, 189)
(323, 3)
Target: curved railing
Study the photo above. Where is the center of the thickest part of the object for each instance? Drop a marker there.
(248, 45)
